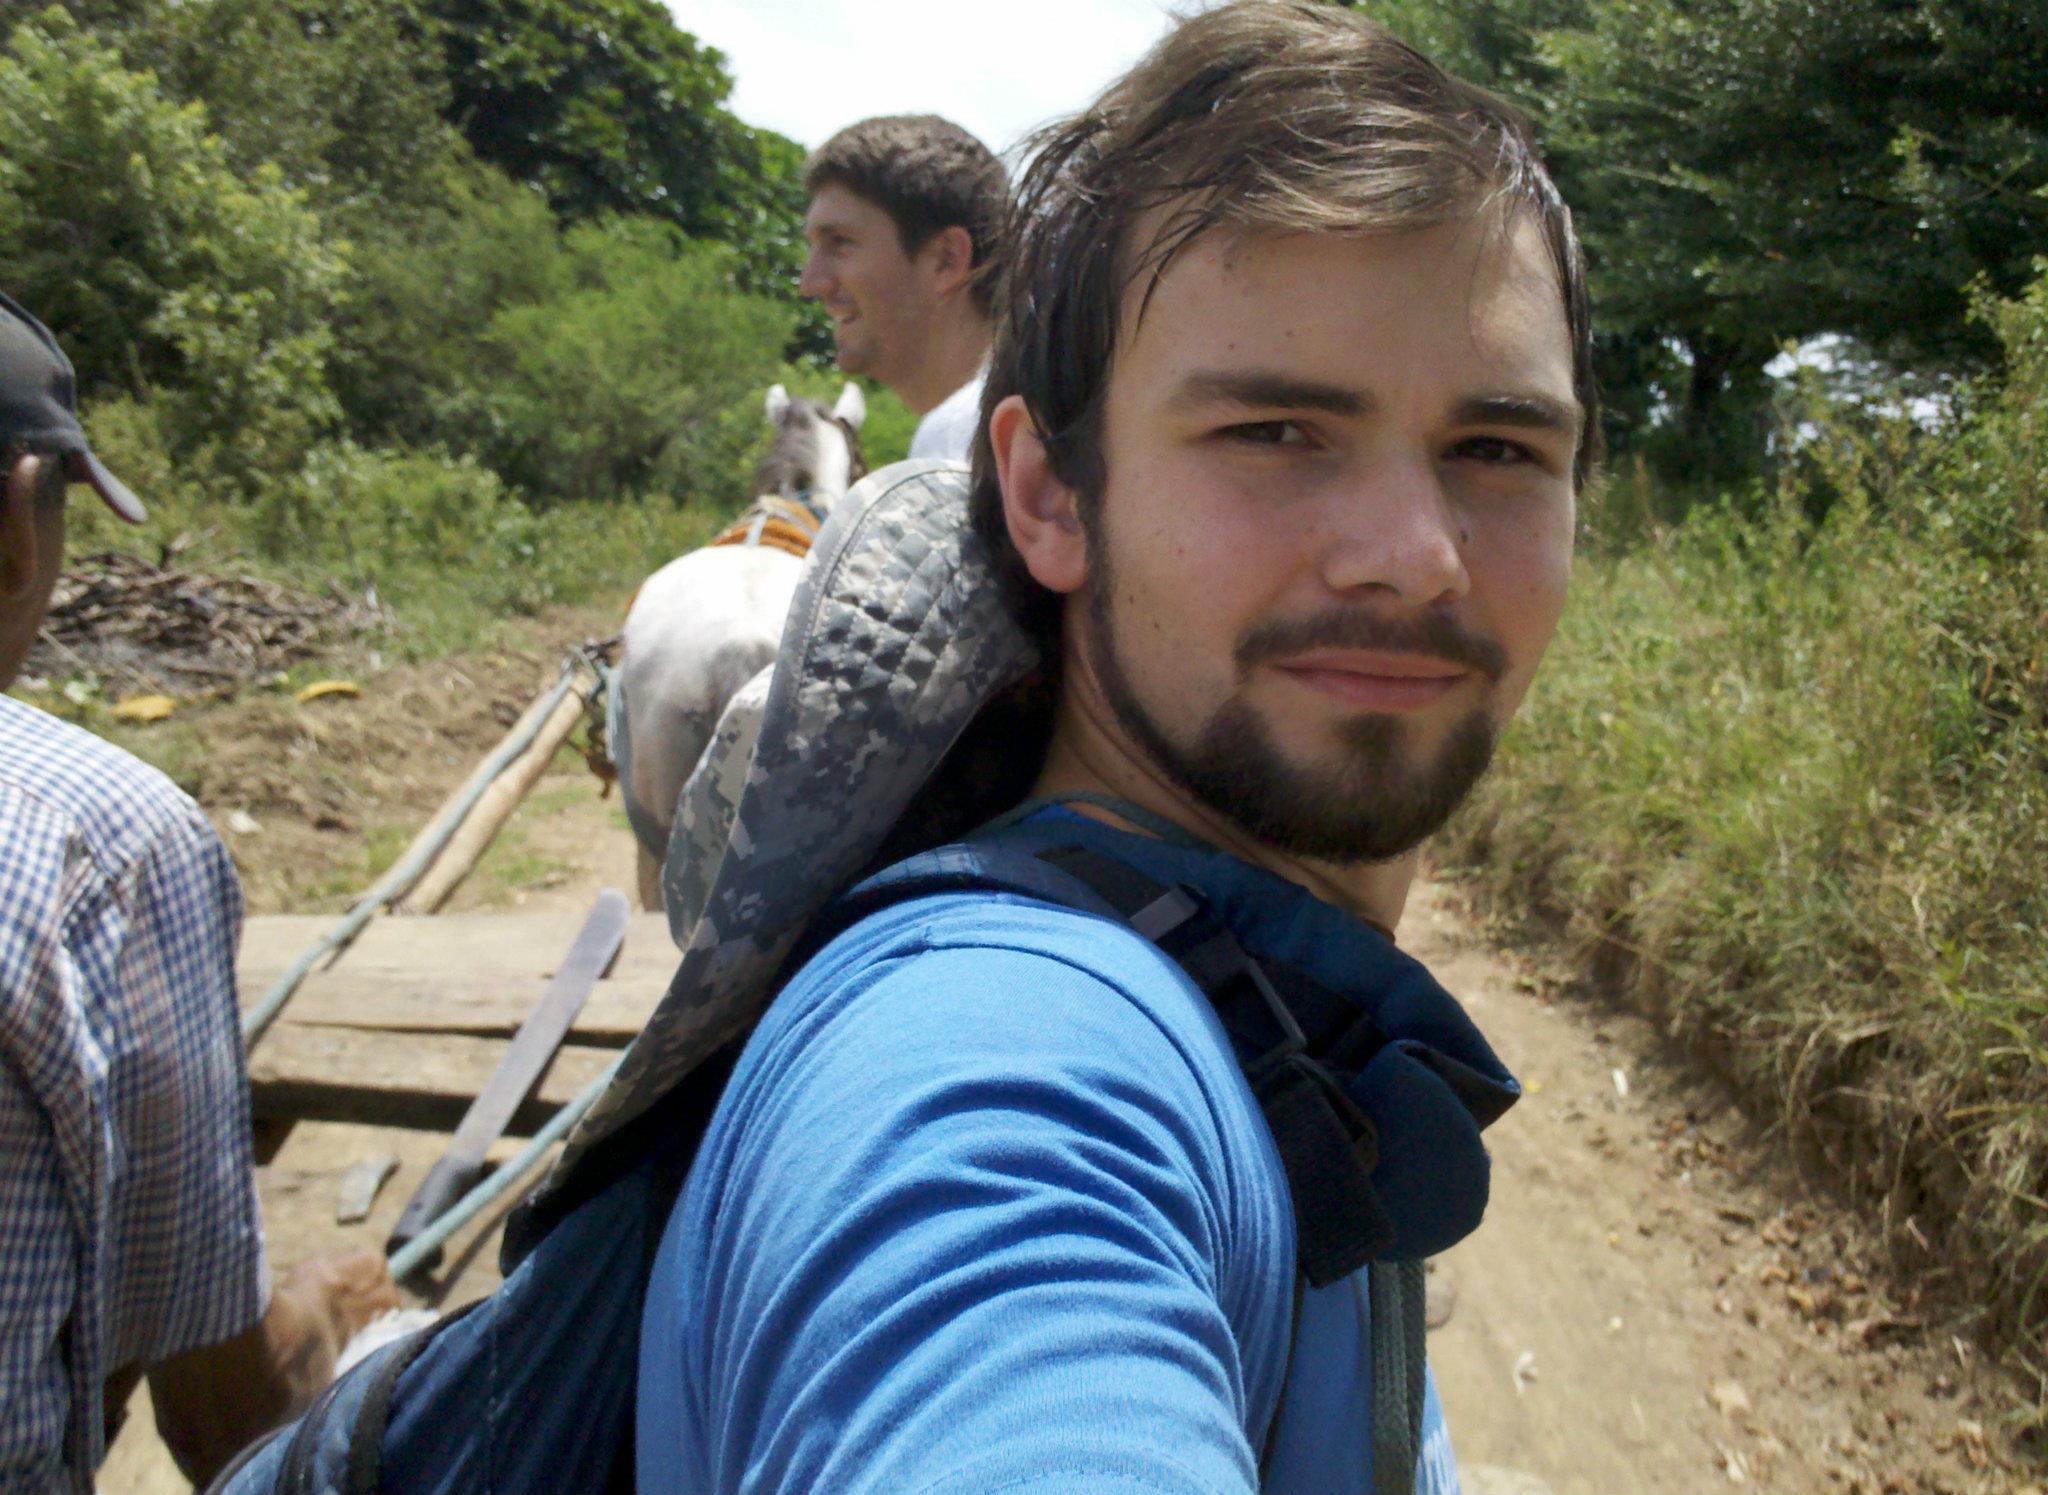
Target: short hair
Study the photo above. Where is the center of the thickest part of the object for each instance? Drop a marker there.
(1264, 116)
(927, 174)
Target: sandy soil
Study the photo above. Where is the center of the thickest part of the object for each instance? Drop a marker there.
(1653, 1307)
(1654, 1304)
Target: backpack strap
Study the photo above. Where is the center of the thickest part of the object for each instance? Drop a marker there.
(1292, 1037)
(1327, 1145)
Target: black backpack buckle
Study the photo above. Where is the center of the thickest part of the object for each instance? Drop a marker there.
(1178, 921)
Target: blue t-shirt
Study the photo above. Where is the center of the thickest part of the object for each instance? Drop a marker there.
(988, 1206)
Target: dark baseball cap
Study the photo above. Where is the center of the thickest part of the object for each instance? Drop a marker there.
(39, 406)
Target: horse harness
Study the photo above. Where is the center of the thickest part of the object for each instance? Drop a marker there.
(786, 524)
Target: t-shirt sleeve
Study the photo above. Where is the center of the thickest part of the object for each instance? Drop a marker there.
(960, 1232)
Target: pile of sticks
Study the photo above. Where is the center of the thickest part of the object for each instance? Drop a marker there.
(122, 616)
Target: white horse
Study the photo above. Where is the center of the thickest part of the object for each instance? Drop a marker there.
(708, 622)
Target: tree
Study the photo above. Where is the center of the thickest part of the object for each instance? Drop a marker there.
(1491, 42)
(644, 372)
(1755, 171)
(337, 94)
(1747, 173)
(426, 287)
(126, 226)
(608, 108)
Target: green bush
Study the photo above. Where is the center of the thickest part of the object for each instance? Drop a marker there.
(426, 287)
(339, 95)
(448, 549)
(450, 552)
(125, 226)
(1788, 776)
(644, 374)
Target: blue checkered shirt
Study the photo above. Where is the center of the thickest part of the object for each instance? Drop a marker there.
(129, 1228)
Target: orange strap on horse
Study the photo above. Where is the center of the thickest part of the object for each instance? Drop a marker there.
(781, 522)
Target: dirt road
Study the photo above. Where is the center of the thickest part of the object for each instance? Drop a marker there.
(1653, 1307)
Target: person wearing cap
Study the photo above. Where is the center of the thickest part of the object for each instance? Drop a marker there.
(130, 1237)
(904, 219)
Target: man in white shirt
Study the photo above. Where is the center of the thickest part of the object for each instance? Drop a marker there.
(906, 212)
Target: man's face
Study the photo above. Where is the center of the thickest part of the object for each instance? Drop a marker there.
(1337, 527)
(879, 298)
(31, 555)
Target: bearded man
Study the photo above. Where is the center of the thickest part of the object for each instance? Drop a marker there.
(1289, 406)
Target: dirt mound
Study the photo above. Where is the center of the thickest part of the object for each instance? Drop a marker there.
(316, 798)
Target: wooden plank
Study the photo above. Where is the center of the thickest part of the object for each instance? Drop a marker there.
(452, 945)
(480, 1007)
(303, 1072)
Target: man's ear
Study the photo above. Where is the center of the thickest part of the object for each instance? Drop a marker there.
(1042, 513)
(20, 536)
(949, 254)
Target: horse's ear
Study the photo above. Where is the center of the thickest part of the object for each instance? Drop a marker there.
(852, 407)
(778, 403)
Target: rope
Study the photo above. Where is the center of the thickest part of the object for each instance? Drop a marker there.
(402, 876)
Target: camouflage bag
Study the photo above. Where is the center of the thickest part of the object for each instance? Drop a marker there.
(891, 721)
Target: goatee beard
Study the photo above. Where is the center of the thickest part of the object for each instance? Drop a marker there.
(1369, 807)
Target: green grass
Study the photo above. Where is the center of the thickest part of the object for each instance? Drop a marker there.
(1785, 782)
(453, 556)
(512, 866)
(544, 802)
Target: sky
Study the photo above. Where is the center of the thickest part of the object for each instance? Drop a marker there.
(803, 68)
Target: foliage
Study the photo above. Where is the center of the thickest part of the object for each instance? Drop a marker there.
(644, 372)
(1788, 775)
(336, 94)
(1762, 170)
(765, 228)
(1490, 42)
(450, 552)
(427, 286)
(124, 223)
(602, 104)
(609, 109)
(1752, 173)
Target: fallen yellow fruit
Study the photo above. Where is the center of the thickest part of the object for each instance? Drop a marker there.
(143, 708)
(321, 688)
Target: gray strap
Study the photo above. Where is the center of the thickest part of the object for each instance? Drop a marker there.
(1397, 1329)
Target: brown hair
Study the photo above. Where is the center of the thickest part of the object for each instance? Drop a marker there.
(927, 174)
(1269, 116)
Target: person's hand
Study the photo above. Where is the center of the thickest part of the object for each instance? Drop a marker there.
(343, 1290)
(212, 1401)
